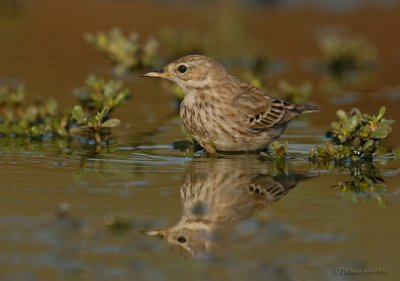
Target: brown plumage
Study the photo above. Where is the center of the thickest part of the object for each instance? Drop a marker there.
(223, 113)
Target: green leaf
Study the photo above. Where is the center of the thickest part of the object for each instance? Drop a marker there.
(356, 142)
(111, 123)
(342, 138)
(368, 117)
(386, 122)
(368, 181)
(52, 107)
(91, 124)
(341, 114)
(36, 131)
(381, 132)
(275, 146)
(381, 203)
(367, 145)
(18, 129)
(78, 114)
(381, 112)
(311, 154)
(335, 125)
(364, 132)
(379, 187)
(351, 123)
(104, 111)
(62, 132)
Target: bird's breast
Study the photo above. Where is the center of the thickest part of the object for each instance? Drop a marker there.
(212, 120)
(208, 116)
(197, 115)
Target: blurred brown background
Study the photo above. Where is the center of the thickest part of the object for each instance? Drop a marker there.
(42, 43)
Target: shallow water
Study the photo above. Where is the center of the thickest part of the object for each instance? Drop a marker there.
(69, 213)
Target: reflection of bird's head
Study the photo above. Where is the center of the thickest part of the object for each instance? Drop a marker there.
(187, 240)
(216, 196)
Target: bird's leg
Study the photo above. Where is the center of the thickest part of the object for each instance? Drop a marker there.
(209, 148)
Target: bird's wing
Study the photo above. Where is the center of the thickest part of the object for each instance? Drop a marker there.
(267, 188)
(260, 112)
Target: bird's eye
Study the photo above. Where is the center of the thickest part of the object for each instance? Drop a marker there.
(181, 239)
(182, 68)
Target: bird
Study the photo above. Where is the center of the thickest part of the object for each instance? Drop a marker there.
(216, 196)
(223, 113)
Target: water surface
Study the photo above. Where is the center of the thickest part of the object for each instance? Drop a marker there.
(69, 213)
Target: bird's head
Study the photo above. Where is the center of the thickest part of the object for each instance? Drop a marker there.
(193, 71)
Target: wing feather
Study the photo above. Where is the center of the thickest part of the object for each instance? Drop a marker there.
(260, 112)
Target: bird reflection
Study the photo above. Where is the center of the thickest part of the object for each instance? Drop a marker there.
(216, 195)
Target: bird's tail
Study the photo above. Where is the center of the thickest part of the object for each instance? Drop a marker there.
(307, 108)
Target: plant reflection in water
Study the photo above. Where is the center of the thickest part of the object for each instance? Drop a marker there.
(365, 183)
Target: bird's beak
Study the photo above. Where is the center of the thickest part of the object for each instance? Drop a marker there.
(158, 233)
(153, 74)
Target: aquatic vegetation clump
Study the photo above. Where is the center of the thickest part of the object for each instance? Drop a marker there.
(44, 120)
(277, 150)
(126, 52)
(97, 125)
(99, 93)
(277, 154)
(343, 58)
(356, 136)
(98, 98)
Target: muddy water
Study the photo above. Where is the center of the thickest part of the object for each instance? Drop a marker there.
(67, 213)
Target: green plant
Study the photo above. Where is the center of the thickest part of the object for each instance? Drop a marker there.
(94, 125)
(98, 98)
(42, 121)
(278, 151)
(355, 137)
(98, 93)
(346, 58)
(126, 52)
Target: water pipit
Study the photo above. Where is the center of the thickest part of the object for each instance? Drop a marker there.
(223, 113)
